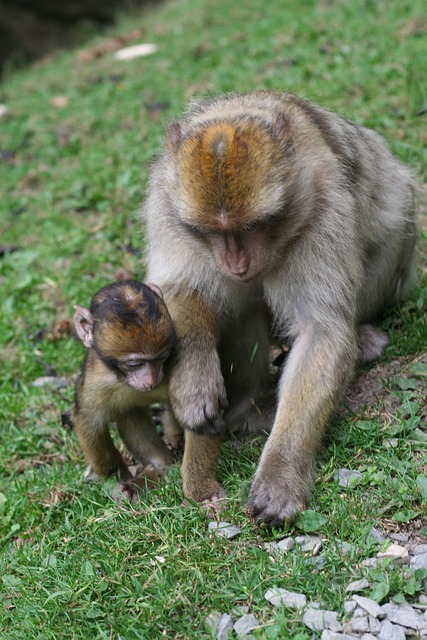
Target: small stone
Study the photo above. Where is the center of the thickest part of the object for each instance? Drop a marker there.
(135, 51)
(224, 529)
(359, 612)
(4, 111)
(391, 631)
(368, 636)
(374, 625)
(360, 624)
(286, 545)
(347, 478)
(403, 615)
(419, 561)
(420, 549)
(225, 626)
(358, 585)
(319, 619)
(390, 443)
(345, 548)
(349, 606)
(240, 610)
(400, 537)
(212, 620)
(221, 623)
(309, 543)
(372, 607)
(278, 596)
(317, 562)
(371, 563)
(377, 534)
(246, 624)
(423, 599)
(333, 635)
(271, 547)
(394, 552)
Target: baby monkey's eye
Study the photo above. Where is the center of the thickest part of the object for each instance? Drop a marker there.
(134, 365)
(131, 365)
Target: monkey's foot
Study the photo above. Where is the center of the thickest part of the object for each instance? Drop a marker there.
(372, 342)
(130, 490)
(209, 491)
(90, 475)
(273, 501)
(174, 443)
(212, 505)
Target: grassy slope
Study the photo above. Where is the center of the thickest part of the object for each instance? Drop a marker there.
(74, 564)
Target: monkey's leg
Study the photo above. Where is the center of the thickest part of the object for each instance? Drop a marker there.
(315, 376)
(99, 449)
(244, 352)
(141, 438)
(173, 434)
(199, 467)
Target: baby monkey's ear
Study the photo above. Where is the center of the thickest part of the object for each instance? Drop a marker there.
(83, 323)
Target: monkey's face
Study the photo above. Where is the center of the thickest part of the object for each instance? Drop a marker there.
(133, 333)
(137, 352)
(141, 374)
(136, 359)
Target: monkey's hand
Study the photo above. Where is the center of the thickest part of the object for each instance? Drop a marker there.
(198, 395)
(278, 494)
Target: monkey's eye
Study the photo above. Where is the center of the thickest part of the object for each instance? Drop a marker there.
(134, 365)
(193, 229)
(131, 365)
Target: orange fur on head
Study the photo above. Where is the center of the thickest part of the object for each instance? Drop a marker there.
(223, 177)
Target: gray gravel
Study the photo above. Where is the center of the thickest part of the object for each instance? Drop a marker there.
(363, 618)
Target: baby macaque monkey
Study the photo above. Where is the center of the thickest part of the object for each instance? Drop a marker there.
(129, 336)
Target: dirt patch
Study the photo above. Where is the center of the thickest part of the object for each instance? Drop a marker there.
(373, 393)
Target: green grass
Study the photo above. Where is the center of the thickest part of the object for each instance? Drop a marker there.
(74, 564)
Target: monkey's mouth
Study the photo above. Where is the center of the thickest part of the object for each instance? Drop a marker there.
(244, 278)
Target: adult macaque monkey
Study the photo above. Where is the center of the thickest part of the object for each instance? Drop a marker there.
(129, 337)
(267, 195)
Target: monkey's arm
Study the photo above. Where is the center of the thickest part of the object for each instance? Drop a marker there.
(318, 369)
(197, 391)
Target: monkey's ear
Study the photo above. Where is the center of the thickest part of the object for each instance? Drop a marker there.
(83, 322)
(174, 135)
(156, 289)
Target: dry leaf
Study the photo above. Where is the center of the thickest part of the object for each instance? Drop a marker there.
(59, 101)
